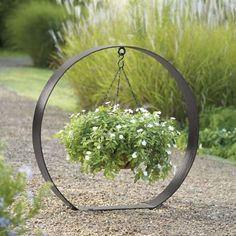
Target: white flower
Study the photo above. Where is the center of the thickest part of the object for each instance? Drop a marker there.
(144, 143)
(200, 146)
(175, 146)
(145, 173)
(134, 155)
(172, 118)
(83, 111)
(156, 124)
(87, 157)
(98, 147)
(143, 110)
(26, 170)
(112, 135)
(118, 126)
(168, 145)
(107, 103)
(146, 114)
(95, 128)
(150, 125)
(158, 112)
(97, 110)
(67, 157)
(129, 111)
(121, 136)
(163, 124)
(159, 166)
(171, 128)
(168, 152)
(132, 121)
(139, 130)
(88, 153)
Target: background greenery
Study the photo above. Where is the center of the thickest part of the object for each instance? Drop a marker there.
(198, 37)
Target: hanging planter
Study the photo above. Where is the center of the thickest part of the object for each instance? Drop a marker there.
(110, 139)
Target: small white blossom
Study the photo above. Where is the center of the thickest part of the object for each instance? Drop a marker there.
(139, 130)
(88, 153)
(146, 114)
(144, 143)
(175, 146)
(158, 112)
(171, 128)
(112, 135)
(97, 110)
(168, 152)
(150, 125)
(159, 166)
(129, 111)
(163, 124)
(145, 173)
(134, 155)
(121, 136)
(87, 157)
(67, 157)
(98, 147)
(168, 145)
(132, 121)
(107, 103)
(200, 146)
(172, 118)
(118, 126)
(156, 124)
(83, 111)
(95, 128)
(143, 110)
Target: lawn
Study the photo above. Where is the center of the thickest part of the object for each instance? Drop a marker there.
(29, 82)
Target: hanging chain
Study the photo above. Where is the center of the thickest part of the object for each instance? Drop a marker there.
(121, 63)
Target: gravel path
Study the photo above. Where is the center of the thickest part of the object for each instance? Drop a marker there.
(204, 205)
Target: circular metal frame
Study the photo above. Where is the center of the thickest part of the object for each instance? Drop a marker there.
(193, 134)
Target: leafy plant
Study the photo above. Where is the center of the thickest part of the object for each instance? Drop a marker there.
(201, 48)
(217, 134)
(111, 139)
(17, 204)
(31, 28)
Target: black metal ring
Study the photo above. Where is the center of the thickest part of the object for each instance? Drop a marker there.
(193, 134)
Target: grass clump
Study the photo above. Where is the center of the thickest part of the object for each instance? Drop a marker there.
(31, 28)
(203, 52)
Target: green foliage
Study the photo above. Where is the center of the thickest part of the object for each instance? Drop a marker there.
(31, 28)
(111, 139)
(204, 53)
(217, 134)
(6, 7)
(17, 205)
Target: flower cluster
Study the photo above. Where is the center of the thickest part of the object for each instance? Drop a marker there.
(111, 139)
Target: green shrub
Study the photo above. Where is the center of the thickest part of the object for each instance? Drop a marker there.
(17, 204)
(111, 139)
(6, 7)
(204, 53)
(217, 134)
(31, 28)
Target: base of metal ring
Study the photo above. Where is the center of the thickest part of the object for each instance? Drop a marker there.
(120, 207)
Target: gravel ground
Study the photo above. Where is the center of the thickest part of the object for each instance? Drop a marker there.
(204, 205)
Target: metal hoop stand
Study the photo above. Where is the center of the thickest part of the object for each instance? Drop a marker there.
(193, 134)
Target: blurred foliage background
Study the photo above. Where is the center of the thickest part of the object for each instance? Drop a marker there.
(198, 37)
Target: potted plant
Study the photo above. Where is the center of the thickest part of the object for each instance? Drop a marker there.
(110, 139)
